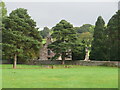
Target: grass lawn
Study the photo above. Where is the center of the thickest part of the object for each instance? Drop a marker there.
(31, 76)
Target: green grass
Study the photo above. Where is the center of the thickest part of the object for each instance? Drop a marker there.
(28, 76)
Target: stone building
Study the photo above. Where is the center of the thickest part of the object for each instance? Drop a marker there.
(46, 54)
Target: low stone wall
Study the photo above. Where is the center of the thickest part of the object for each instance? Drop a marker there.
(77, 62)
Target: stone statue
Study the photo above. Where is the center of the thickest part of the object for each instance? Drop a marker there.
(87, 55)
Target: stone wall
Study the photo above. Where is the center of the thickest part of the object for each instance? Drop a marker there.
(77, 62)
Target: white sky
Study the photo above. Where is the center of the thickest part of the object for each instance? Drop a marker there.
(60, 0)
(78, 13)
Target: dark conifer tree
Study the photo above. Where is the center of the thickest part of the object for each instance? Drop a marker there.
(113, 40)
(98, 49)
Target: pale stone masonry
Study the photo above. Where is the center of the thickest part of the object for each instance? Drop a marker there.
(46, 53)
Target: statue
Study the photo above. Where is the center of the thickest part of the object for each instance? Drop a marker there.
(87, 55)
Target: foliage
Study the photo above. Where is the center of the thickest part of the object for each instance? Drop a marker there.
(84, 40)
(85, 28)
(113, 39)
(65, 37)
(78, 52)
(98, 50)
(43, 41)
(45, 32)
(3, 13)
(20, 36)
(106, 41)
(3, 10)
(86, 37)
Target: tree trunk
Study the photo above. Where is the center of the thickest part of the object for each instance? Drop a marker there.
(63, 58)
(63, 62)
(15, 61)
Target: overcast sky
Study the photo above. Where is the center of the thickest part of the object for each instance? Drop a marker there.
(77, 13)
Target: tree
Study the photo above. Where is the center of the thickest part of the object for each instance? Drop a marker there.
(78, 52)
(45, 32)
(85, 28)
(65, 37)
(98, 49)
(113, 39)
(3, 10)
(20, 36)
(86, 38)
(3, 14)
(82, 46)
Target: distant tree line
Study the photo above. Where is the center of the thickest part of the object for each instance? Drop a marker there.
(101, 40)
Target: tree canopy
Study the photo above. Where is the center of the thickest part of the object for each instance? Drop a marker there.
(98, 50)
(45, 32)
(21, 38)
(65, 37)
(113, 37)
(3, 10)
(85, 28)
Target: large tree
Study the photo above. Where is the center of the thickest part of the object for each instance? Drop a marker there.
(20, 36)
(65, 38)
(113, 39)
(3, 14)
(98, 49)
